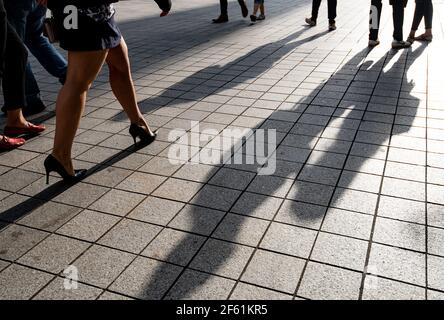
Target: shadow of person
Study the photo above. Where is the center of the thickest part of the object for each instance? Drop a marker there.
(325, 132)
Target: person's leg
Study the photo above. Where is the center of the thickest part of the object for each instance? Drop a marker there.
(3, 35)
(428, 17)
(398, 20)
(83, 68)
(122, 83)
(244, 8)
(224, 8)
(262, 8)
(315, 9)
(419, 14)
(332, 5)
(375, 19)
(41, 48)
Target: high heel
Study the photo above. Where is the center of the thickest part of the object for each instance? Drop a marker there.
(53, 165)
(145, 137)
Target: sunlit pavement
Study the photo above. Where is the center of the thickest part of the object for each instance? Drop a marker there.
(354, 209)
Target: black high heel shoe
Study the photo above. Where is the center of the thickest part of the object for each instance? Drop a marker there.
(145, 137)
(53, 165)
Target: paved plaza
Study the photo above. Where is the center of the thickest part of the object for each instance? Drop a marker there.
(353, 210)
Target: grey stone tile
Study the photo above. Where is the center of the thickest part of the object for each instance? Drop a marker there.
(197, 219)
(97, 154)
(269, 185)
(100, 266)
(257, 205)
(17, 157)
(402, 209)
(16, 179)
(50, 216)
(81, 195)
(327, 159)
(216, 197)
(435, 272)
(132, 161)
(435, 216)
(196, 172)
(117, 202)
(234, 179)
(245, 291)
(89, 225)
(322, 282)
(130, 235)
(176, 189)
(54, 254)
(274, 271)
(146, 279)
(292, 154)
(174, 246)
(55, 290)
(365, 165)
(400, 234)
(318, 174)
(384, 289)
(108, 177)
(141, 183)
(160, 166)
(405, 171)
(110, 296)
(311, 192)
(196, 285)
(404, 189)
(241, 229)
(360, 181)
(435, 241)
(156, 210)
(434, 295)
(398, 264)
(348, 223)
(16, 240)
(3, 264)
(287, 169)
(340, 251)
(301, 214)
(355, 200)
(289, 240)
(21, 282)
(435, 194)
(222, 258)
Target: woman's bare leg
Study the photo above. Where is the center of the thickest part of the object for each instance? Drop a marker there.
(122, 83)
(83, 68)
(16, 119)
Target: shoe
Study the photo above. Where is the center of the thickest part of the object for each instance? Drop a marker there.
(332, 26)
(30, 129)
(400, 44)
(33, 108)
(261, 17)
(373, 43)
(424, 37)
(221, 19)
(310, 22)
(53, 165)
(11, 143)
(410, 40)
(244, 10)
(253, 18)
(164, 13)
(146, 138)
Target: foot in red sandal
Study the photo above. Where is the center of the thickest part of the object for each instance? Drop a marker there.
(10, 143)
(29, 129)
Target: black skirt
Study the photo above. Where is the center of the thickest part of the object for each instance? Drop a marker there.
(90, 35)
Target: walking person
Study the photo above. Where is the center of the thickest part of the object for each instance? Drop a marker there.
(424, 9)
(332, 5)
(258, 5)
(13, 59)
(27, 18)
(398, 23)
(224, 11)
(95, 40)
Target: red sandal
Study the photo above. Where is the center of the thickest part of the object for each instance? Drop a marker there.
(10, 143)
(30, 129)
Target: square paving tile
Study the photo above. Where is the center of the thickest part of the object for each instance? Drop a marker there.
(81, 195)
(88, 225)
(141, 183)
(360, 181)
(100, 266)
(322, 282)
(398, 264)
(435, 216)
(270, 185)
(245, 291)
(130, 235)
(241, 229)
(117, 202)
(22, 282)
(146, 279)
(435, 241)
(216, 197)
(355, 200)
(274, 271)
(16, 179)
(318, 174)
(16, 240)
(348, 223)
(177, 189)
(435, 194)
(311, 192)
(234, 179)
(402, 209)
(55, 290)
(222, 258)
(384, 289)
(301, 214)
(174, 246)
(289, 240)
(194, 285)
(156, 210)
(435, 272)
(256, 205)
(197, 219)
(196, 172)
(160, 166)
(404, 189)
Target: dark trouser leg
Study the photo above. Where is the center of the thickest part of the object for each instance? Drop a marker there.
(224, 8)
(332, 5)
(398, 20)
(315, 9)
(428, 14)
(3, 34)
(16, 57)
(419, 14)
(375, 19)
